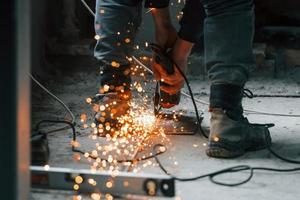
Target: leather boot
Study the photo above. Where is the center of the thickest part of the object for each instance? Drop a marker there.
(231, 134)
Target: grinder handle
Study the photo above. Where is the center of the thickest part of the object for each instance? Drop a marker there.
(162, 58)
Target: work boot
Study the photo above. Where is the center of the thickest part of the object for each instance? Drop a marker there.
(112, 102)
(110, 109)
(231, 134)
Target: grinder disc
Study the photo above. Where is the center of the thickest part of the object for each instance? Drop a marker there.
(179, 125)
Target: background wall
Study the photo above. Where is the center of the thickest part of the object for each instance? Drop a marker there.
(67, 22)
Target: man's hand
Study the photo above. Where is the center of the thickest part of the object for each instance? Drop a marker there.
(179, 55)
(166, 38)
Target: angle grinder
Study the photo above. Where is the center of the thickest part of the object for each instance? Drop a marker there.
(163, 99)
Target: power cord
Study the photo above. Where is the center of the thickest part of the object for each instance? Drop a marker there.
(239, 168)
(54, 97)
(234, 169)
(72, 126)
(160, 50)
(253, 112)
(212, 176)
(247, 111)
(77, 150)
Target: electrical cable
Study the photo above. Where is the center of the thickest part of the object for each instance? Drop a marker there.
(155, 155)
(77, 150)
(54, 97)
(276, 96)
(72, 125)
(189, 89)
(192, 98)
(211, 176)
(234, 169)
(156, 47)
(248, 111)
(182, 92)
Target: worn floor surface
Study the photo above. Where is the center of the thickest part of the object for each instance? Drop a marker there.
(186, 154)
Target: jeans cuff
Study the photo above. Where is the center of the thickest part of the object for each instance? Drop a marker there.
(225, 96)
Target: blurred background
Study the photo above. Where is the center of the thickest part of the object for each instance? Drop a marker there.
(65, 28)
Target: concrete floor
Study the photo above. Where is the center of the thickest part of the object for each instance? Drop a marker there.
(186, 154)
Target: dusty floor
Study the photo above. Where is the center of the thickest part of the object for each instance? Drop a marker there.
(76, 80)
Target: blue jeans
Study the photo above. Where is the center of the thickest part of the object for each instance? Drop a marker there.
(228, 36)
(117, 23)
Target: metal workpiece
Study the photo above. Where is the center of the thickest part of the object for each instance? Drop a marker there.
(86, 181)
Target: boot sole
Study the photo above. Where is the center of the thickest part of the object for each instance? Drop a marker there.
(217, 150)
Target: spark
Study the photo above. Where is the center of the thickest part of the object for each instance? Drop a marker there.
(216, 138)
(76, 187)
(95, 196)
(46, 167)
(128, 134)
(109, 184)
(78, 179)
(125, 183)
(77, 197)
(92, 182)
(89, 100)
(109, 197)
(127, 40)
(115, 64)
(150, 10)
(97, 37)
(83, 118)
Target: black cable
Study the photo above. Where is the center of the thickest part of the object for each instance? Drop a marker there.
(281, 157)
(276, 96)
(71, 125)
(239, 168)
(74, 149)
(234, 169)
(161, 51)
(248, 93)
(227, 170)
(212, 176)
(246, 110)
(270, 114)
(193, 99)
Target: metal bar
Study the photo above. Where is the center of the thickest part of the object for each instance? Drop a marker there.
(15, 104)
(102, 182)
(23, 63)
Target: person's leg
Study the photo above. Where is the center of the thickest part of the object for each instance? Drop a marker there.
(116, 25)
(228, 35)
